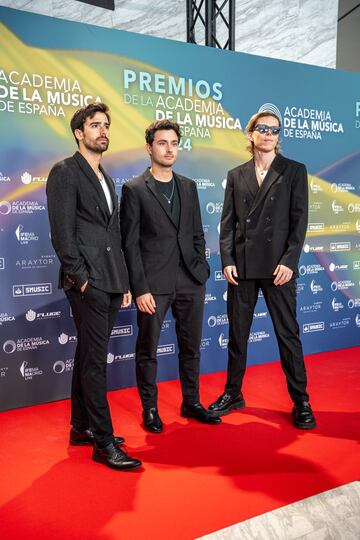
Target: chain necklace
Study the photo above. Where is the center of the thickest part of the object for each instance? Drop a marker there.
(169, 199)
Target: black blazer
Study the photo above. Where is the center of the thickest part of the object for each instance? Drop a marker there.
(85, 236)
(261, 228)
(152, 243)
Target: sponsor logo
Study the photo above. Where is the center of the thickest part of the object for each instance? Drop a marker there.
(353, 303)
(218, 320)
(315, 287)
(219, 276)
(223, 341)
(63, 339)
(338, 325)
(357, 225)
(340, 246)
(4, 178)
(336, 305)
(209, 298)
(3, 371)
(32, 289)
(311, 308)
(300, 287)
(225, 296)
(336, 207)
(165, 349)
(336, 267)
(120, 357)
(206, 228)
(214, 208)
(24, 344)
(204, 183)
(205, 343)
(166, 324)
(312, 249)
(307, 269)
(21, 207)
(340, 227)
(313, 327)
(342, 187)
(25, 237)
(121, 331)
(32, 315)
(63, 365)
(5, 317)
(315, 206)
(342, 285)
(316, 227)
(2, 263)
(28, 373)
(223, 183)
(260, 315)
(353, 207)
(26, 178)
(315, 186)
(258, 336)
(207, 253)
(33, 264)
(356, 265)
(357, 320)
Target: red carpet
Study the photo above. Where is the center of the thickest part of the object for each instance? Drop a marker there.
(196, 478)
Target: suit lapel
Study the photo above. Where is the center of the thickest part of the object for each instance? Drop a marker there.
(275, 171)
(150, 183)
(114, 198)
(250, 179)
(87, 170)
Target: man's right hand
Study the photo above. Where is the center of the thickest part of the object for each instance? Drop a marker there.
(83, 287)
(230, 274)
(146, 303)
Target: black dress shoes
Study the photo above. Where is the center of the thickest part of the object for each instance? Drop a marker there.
(199, 413)
(227, 403)
(115, 458)
(86, 438)
(152, 420)
(303, 416)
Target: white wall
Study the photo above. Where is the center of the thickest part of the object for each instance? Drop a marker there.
(298, 30)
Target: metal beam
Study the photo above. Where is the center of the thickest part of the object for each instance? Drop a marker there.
(206, 14)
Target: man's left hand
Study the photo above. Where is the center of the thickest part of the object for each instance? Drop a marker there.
(283, 274)
(126, 301)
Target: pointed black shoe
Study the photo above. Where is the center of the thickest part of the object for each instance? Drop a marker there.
(199, 413)
(227, 403)
(86, 438)
(303, 416)
(115, 458)
(152, 420)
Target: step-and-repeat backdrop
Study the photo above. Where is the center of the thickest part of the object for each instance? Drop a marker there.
(48, 69)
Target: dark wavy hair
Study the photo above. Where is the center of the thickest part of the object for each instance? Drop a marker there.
(79, 118)
(160, 125)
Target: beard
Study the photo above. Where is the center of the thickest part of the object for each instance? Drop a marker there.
(98, 146)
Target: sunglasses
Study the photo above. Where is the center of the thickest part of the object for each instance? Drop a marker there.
(264, 128)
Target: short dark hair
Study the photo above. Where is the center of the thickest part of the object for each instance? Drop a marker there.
(80, 116)
(160, 125)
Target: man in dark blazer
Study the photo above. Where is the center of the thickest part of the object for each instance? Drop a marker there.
(85, 232)
(165, 253)
(263, 227)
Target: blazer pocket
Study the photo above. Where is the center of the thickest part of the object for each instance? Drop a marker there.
(93, 259)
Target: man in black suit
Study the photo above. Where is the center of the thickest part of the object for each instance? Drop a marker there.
(165, 252)
(263, 227)
(85, 232)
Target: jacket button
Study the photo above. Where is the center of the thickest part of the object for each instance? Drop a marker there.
(269, 239)
(268, 219)
(272, 198)
(108, 248)
(248, 220)
(97, 208)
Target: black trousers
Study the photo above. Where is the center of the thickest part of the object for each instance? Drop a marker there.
(187, 306)
(94, 315)
(281, 303)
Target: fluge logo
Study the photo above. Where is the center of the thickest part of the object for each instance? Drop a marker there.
(26, 178)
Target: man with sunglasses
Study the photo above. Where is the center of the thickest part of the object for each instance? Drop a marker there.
(263, 227)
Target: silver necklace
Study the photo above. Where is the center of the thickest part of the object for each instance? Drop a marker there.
(172, 192)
